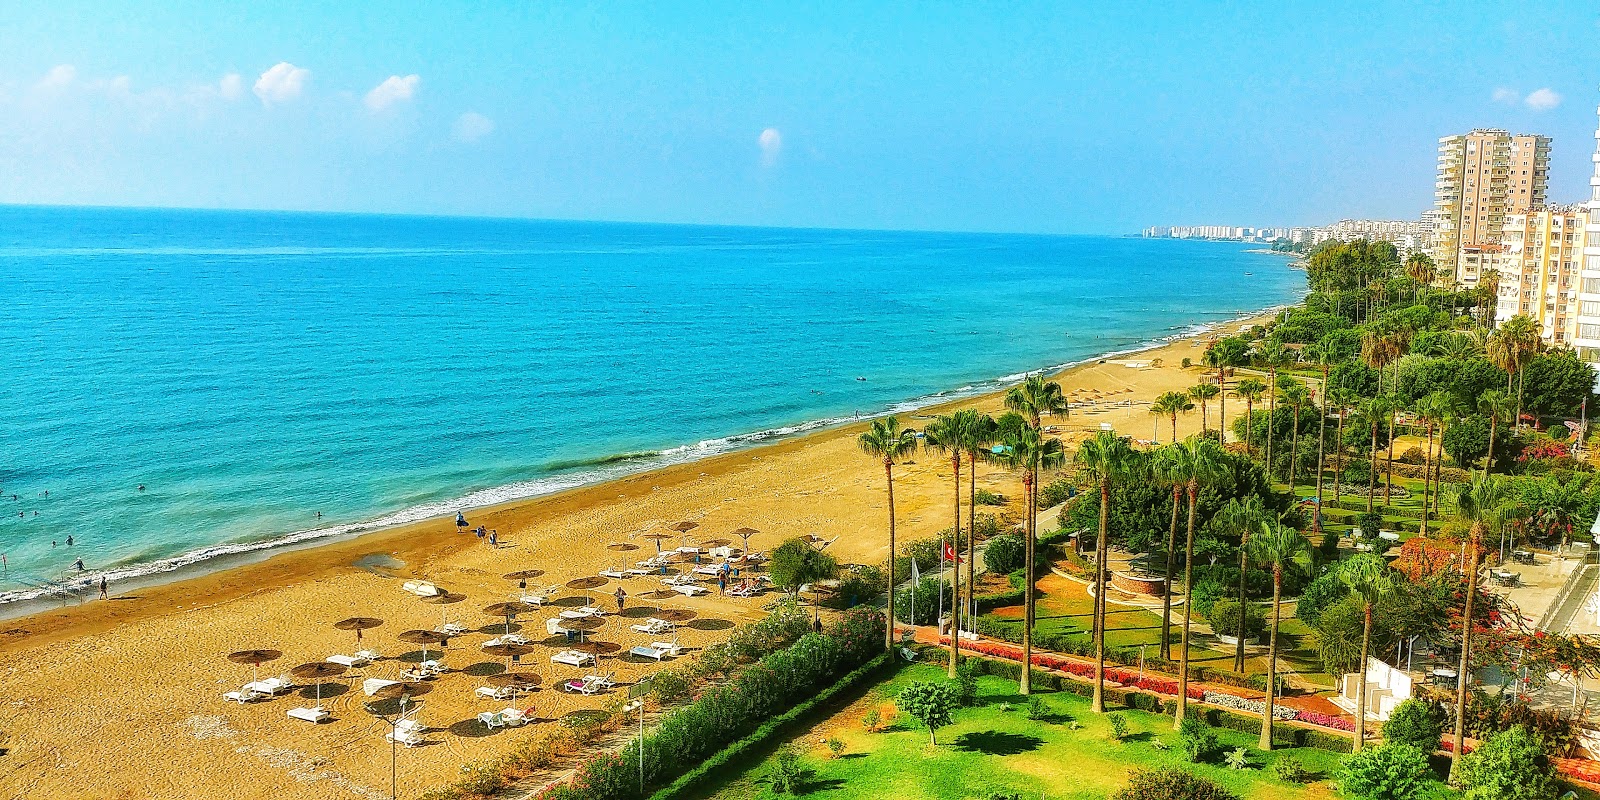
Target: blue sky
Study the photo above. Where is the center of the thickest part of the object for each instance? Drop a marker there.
(1041, 117)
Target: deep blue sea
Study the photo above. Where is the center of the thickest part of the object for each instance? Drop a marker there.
(251, 369)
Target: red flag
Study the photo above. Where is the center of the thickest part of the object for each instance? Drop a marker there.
(950, 553)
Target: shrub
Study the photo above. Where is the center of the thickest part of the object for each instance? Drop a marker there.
(861, 584)
(835, 747)
(1037, 710)
(669, 686)
(1415, 722)
(1389, 772)
(1224, 618)
(1001, 794)
(1239, 758)
(988, 498)
(1004, 554)
(876, 720)
(967, 682)
(1412, 455)
(1322, 592)
(918, 604)
(933, 704)
(1056, 492)
(1289, 770)
(1205, 595)
(1510, 766)
(787, 774)
(1119, 727)
(1356, 472)
(1197, 738)
(1171, 784)
(1370, 522)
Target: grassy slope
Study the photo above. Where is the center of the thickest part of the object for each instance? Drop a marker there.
(989, 748)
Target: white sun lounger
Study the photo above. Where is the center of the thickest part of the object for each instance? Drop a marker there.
(603, 681)
(409, 738)
(313, 715)
(678, 579)
(421, 588)
(690, 590)
(647, 652)
(514, 716)
(507, 638)
(496, 692)
(641, 570)
(722, 552)
(270, 686)
(572, 658)
(589, 684)
(708, 569)
(613, 573)
(348, 661)
(245, 695)
(552, 626)
(688, 550)
(672, 647)
(492, 720)
(454, 629)
(370, 686)
(653, 626)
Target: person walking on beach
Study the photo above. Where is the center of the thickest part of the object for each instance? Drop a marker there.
(461, 520)
(722, 582)
(494, 538)
(622, 597)
(103, 590)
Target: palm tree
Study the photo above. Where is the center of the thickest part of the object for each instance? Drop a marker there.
(1482, 504)
(1106, 459)
(886, 440)
(1240, 519)
(1272, 355)
(1498, 407)
(1373, 410)
(1420, 268)
(1456, 347)
(1511, 347)
(978, 433)
(1201, 461)
(1170, 405)
(1295, 394)
(1167, 469)
(1028, 452)
(1555, 506)
(1377, 351)
(943, 435)
(1251, 390)
(1282, 549)
(1344, 400)
(1328, 351)
(1368, 578)
(1203, 392)
(1036, 398)
(1429, 409)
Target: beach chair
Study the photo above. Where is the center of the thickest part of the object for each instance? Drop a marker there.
(641, 570)
(708, 569)
(676, 580)
(421, 588)
(671, 647)
(434, 665)
(405, 736)
(722, 552)
(612, 572)
(653, 626)
(271, 686)
(370, 686)
(496, 692)
(592, 611)
(603, 681)
(245, 695)
(552, 626)
(492, 720)
(908, 654)
(686, 550)
(369, 654)
(572, 658)
(514, 716)
(348, 661)
(312, 715)
(643, 651)
(454, 629)
(589, 684)
(744, 589)
(690, 590)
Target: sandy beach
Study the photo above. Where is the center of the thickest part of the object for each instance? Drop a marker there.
(122, 698)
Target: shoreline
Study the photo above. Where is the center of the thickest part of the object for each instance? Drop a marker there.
(333, 548)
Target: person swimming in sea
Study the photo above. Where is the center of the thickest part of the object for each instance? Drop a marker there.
(78, 564)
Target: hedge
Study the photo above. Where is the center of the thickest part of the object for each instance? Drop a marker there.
(772, 728)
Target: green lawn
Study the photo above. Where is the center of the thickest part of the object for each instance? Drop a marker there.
(989, 748)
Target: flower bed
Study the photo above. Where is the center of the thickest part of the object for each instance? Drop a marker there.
(1247, 704)
(1325, 720)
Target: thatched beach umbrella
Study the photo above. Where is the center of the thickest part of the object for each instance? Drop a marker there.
(255, 658)
(508, 651)
(622, 547)
(522, 576)
(675, 615)
(745, 534)
(716, 543)
(582, 625)
(423, 638)
(442, 600)
(587, 582)
(317, 670)
(358, 624)
(516, 681)
(508, 610)
(685, 526)
(658, 594)
(658, 538)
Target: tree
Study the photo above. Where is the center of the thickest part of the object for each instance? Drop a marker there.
(1482, 505)
(1327, 351)
(1498, 407)
(1431, 410)
(1251, 390)
(1558, 383)
(1281, 549)
(1240, 519)
(933, 704)
(1167, 468)
(1368, 578)
(796, 563)
(1004, 554)
(1511, 347)
(1028, 452)
(1106, 459)
(1036, 398)
(1415, 722)
(1512, 765)
(1294, 393)
(1343, 400)
(1170, 405)
(1468, 440)
(1272, 355)
(1229, 351)
(1420, 268)
(886, 441)
(944, 435)
(1197, 738)
(1204, 392)
(1200, 461)
(979, 432)
(1390, 772)
(1374, 410)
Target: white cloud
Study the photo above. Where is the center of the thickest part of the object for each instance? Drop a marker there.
(282, 83)
(58, 77)
(771, 142)
(393, 90)
(471, 126)
(1504, 95)
(231, 87)
(1543, 99)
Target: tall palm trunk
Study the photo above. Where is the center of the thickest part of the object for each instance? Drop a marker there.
(1361, 691)
(1427, 470)
(1222, 404)
(1388, 471)
(1522, 383)
(1322, 441)
(1272, 417)
(1488, 460)
(1294, 447)
(1174, 426)
(888, 471)
(1098, 703)
(1188, 611)
(955, 572)
(1338, 459)
(972, 534)
(1466, 649)
(1272, 658)
(1372, 474)
(1023, 686)
(1172, 558)
(1249, 422)
(1238, 646)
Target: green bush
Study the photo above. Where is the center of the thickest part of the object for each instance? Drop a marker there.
(1239, 758)
(1224, 619)
(933, 704)
(1119, 727)
(1415, 722)
(1389, 772)
(1322, 592)
(1289, 769)
(1167, 783)
(988, 498)
(1004, 554)
(1205, 595)
(1056, 492)
(967, 682)
(1356, 472)
(860, 584)
(919, 603)
(1510, 766)
(1197, 738)
(787, 775)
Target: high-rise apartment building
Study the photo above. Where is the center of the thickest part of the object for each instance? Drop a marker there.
(1588, 334)
(1483, 176)
(1538, 262)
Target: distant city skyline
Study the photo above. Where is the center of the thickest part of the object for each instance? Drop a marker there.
(1030, 117)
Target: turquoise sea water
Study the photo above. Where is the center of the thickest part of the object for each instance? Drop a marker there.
(252, 369)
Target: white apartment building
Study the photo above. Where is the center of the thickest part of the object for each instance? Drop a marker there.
(1483, 176)
(1587, 340)
(1538, 262)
